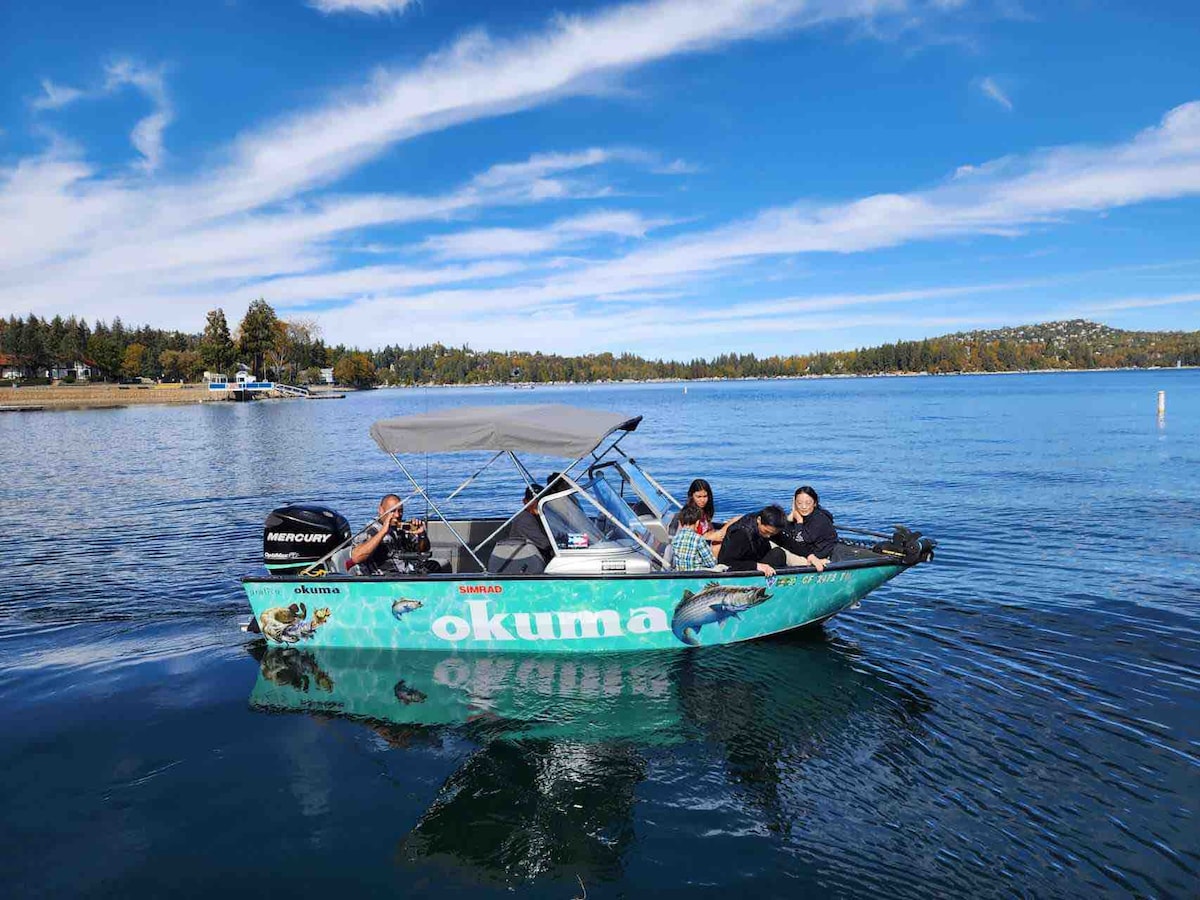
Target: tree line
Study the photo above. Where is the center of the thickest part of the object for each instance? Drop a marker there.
(293, 350)
(289, 349)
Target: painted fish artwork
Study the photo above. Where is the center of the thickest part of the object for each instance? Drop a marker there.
(714, 604)
(403, 606)
(407, 695)
(291, 624)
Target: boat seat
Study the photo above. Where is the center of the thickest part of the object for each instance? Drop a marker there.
(339, 563)
(515, 556)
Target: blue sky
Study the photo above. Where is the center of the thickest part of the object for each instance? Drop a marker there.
(675, 178)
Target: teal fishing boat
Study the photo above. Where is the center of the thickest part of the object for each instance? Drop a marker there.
(606, 583)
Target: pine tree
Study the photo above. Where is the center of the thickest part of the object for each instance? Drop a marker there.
(216, 347)
(258, 332)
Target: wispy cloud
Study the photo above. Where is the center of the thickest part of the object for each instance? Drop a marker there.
(479, 77)
(77, 224)
(492, 242)
(147, 134)
(992, 90)
(1124, 303)
(55, 96)
(1001, 198)
(370, 7)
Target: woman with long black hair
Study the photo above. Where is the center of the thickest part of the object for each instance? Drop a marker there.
(700, 495)
(809, 532)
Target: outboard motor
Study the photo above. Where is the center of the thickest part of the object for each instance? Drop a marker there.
(299, 535)
(908, 546)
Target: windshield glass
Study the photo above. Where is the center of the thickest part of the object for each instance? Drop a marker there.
(645, 497)
(607, 496)
(573, 529)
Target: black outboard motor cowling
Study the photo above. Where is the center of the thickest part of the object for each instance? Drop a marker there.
(298, 535)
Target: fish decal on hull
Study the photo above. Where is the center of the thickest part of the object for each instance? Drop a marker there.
(714, 604)
(403, 606)
(290, 624)
(407, 695)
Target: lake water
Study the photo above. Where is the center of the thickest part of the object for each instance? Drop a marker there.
(1020, 717)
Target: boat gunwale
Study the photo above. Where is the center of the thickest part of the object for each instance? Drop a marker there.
(691, 574)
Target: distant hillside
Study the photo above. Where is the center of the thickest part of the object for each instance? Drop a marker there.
(1062, 332)
(1073, 344)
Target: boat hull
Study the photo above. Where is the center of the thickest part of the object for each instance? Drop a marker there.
(548, 614)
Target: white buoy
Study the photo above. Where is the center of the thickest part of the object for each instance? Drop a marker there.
(1162, 403)
(685, 388)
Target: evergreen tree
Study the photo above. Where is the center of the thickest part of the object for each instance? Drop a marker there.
(216, 347)
(258, 332)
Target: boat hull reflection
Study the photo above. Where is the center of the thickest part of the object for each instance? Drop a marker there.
(565, 745)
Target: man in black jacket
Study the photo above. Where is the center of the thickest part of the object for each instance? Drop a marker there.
(747, 544)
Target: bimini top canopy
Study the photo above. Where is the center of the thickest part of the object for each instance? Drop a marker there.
(547, 429)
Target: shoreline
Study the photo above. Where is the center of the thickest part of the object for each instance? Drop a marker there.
(50, 398)
(529, 385)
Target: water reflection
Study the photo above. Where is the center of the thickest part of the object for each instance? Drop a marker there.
(564, 745)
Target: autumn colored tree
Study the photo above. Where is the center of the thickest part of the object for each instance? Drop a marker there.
(356, 369)
(135, 359)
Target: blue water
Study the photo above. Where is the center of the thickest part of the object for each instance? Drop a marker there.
(1020, 717)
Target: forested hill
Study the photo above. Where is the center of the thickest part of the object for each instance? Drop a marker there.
(292, 350)
(1074, 344)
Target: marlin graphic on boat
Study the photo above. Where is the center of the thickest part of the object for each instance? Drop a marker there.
(715, 603)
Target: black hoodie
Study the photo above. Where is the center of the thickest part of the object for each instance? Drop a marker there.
(815, 535)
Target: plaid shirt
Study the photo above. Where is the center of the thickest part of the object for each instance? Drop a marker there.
(691, 551)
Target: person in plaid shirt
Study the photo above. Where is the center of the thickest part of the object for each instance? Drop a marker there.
(691, 551)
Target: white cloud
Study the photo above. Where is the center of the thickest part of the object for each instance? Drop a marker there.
(56, 96)
(1000, 198)
(370, 7)
(491, 242)
(992, 90)
(71, 215)
(147, 134)
(479, 77)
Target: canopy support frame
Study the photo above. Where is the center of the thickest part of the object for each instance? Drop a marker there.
(536, 498)
(437, 510)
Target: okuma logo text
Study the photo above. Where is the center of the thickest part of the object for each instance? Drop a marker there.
(547, 626)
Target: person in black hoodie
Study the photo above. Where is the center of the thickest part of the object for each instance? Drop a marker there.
(747, 544)
(809, 532)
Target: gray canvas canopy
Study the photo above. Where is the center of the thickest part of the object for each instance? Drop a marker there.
(547, 429)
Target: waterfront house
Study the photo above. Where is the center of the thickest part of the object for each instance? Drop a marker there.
(82, 368)
(11, 367)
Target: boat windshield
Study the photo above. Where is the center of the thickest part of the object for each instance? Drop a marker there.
(573, 529)
(602, 491)
(649, 499)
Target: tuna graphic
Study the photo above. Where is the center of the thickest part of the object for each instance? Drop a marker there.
(403, 606)
(715, 603)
